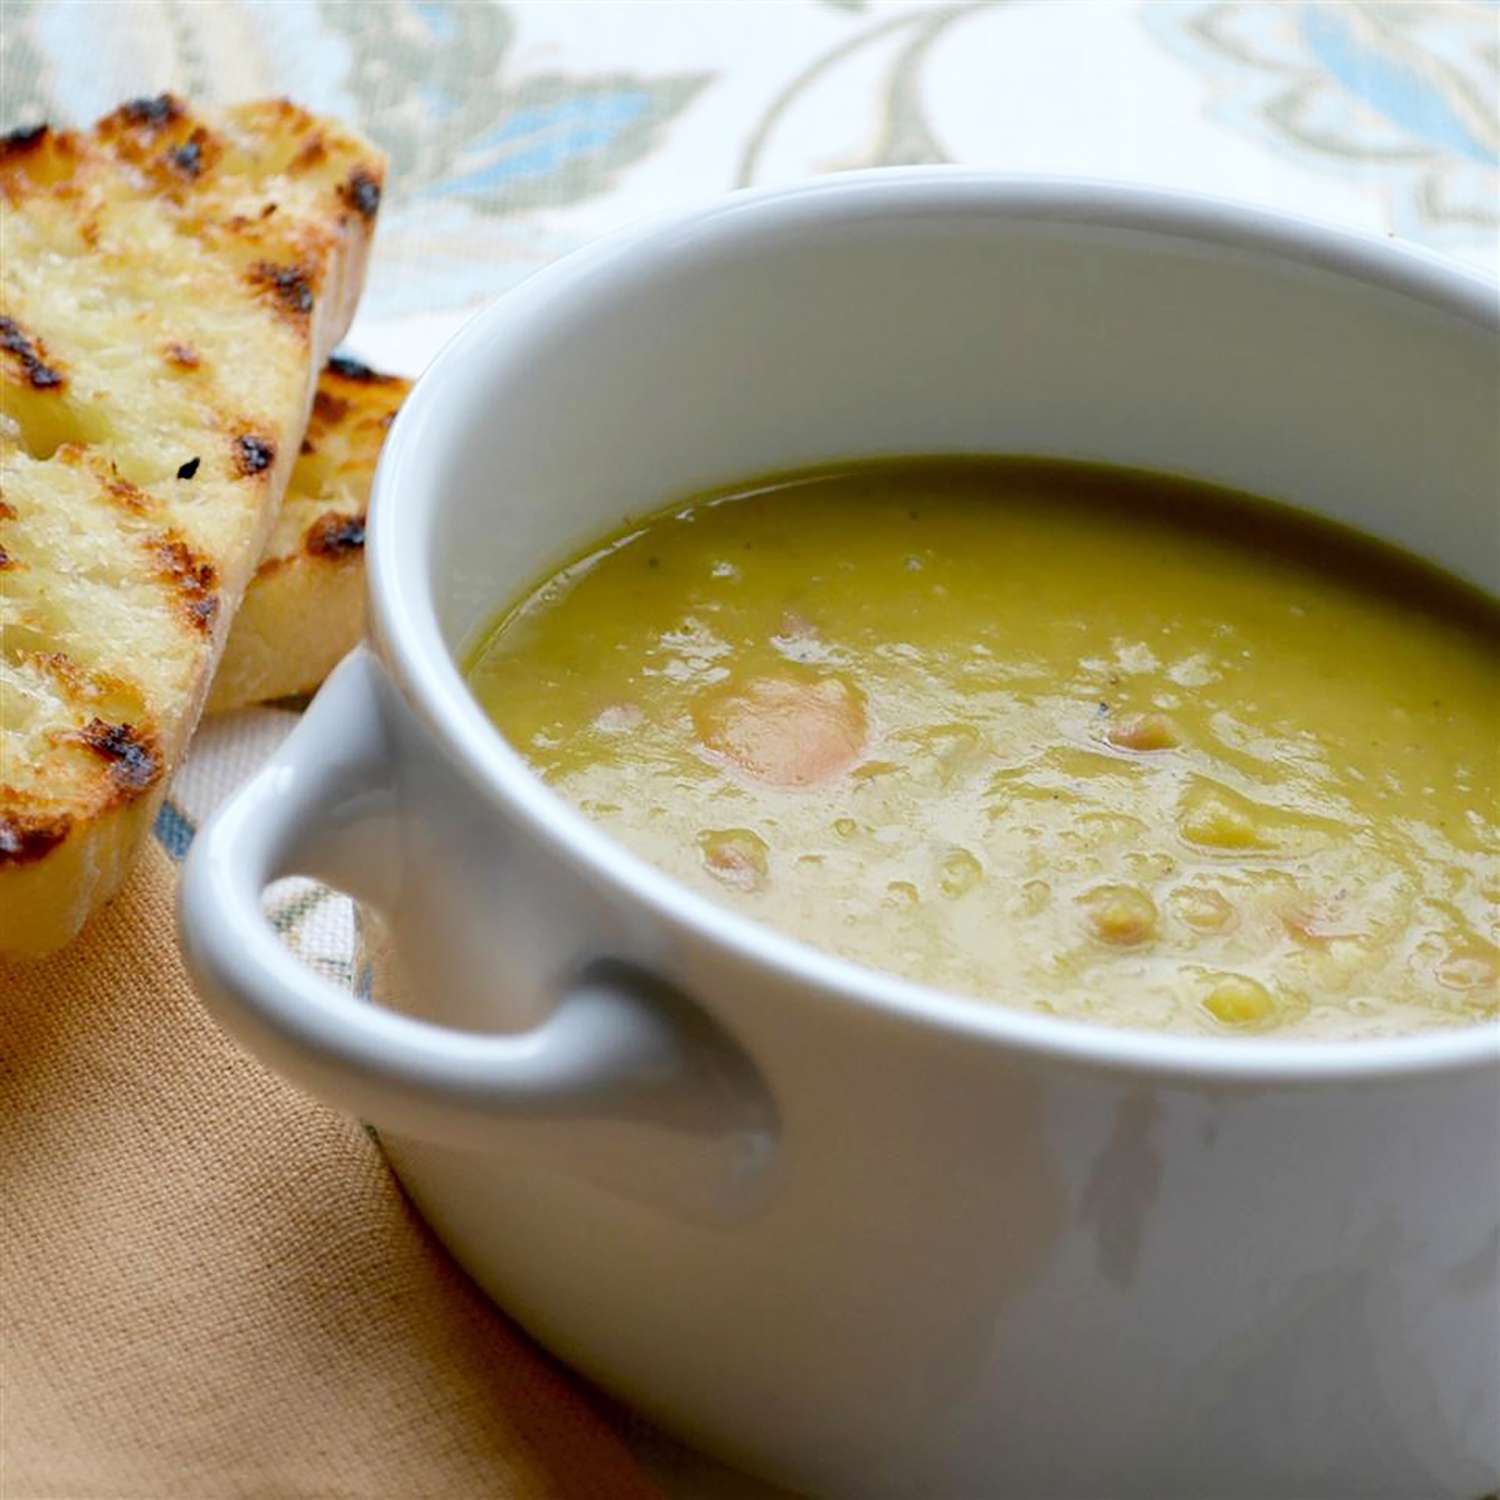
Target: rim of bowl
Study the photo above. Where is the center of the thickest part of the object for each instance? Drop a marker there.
(404, 619)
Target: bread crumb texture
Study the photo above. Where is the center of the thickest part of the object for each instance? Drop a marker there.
(305, 606)
(170, 285)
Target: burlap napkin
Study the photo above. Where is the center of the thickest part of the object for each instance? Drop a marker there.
(211, 1287)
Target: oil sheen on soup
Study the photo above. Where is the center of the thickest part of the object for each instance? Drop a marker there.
(1099, 744)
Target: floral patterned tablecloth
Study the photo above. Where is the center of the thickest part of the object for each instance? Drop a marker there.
(519, 131)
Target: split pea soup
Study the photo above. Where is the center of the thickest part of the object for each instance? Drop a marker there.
(1090, 742)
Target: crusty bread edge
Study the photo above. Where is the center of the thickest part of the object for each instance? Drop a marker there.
(304, 608)
(325, 621)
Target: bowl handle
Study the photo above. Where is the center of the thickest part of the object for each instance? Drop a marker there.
(618, 1046)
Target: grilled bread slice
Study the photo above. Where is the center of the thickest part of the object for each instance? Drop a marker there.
(170, 287)
(305, 606)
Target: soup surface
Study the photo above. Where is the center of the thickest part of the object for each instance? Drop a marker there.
(1097, 743)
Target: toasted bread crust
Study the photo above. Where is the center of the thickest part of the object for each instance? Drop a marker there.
(171, 285)
(305, 606)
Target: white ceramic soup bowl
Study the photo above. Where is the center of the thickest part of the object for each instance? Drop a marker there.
(859, 1236)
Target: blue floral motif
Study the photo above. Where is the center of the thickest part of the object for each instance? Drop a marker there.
(1398, 87)
(535, 142)
(1346, 87)
(174, 832)
(436, 84)
(438, 18)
